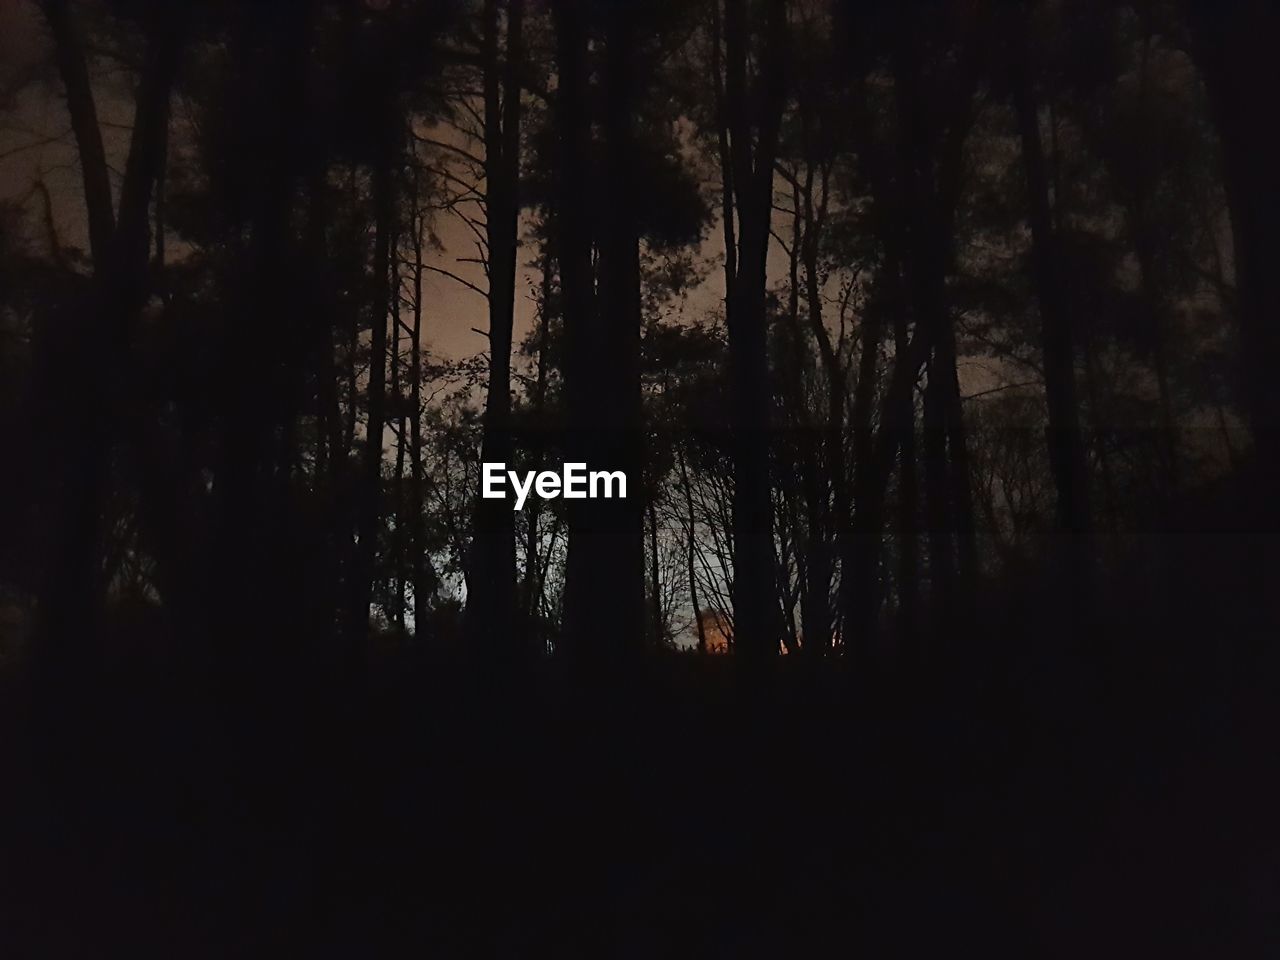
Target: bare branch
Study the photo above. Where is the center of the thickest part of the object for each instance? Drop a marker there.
(453, 276)
(450, 148)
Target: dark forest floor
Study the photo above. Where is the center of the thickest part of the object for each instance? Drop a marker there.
(1056, 810)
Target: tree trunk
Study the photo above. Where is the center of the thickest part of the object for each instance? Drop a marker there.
(833, 446)
(83, 111)
(72, 594)
(757, 623)
(942, 555)
(691, 554)
(532, 566)
(908, 499)
(915, 190)
(1233, 45)
(813, 555)
(861, 546)
(655, 580)
(491, 604)
(959, 473)
(423, 578)
(368, 522)
(574, 242)
(606, 574)
(1065, 443)
(397, 564)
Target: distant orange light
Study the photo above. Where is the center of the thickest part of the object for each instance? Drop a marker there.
(716, 630)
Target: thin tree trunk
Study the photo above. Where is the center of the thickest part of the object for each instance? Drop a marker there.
(532, 577)
(371, 494)
(397, 565)
(691, 553)
(1110, 498)
(959, 473)
(724, 156)
(813, 556)
(833, 447)
(908, 499)
(942, 557)
(423, 582)
(655, 583)
(862, 573)
(331, 454)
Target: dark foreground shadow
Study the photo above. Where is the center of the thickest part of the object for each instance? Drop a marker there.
(1055, 807)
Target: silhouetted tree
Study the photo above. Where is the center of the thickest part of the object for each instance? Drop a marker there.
(750, 117)
(1065, 442)
(491, 607)
(1232, 45)
(119, 243)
